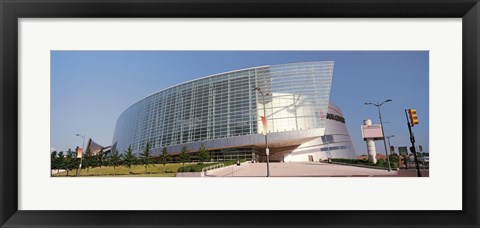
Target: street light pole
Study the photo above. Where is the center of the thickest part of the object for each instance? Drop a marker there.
(388, 138)
(383, 132)
(267, 152)
(81, 158)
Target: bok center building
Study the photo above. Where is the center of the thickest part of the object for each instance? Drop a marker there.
(224, 113)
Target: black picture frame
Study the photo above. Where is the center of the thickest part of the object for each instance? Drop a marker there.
(12, 10)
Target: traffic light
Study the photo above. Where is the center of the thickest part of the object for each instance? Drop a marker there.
(413, 116)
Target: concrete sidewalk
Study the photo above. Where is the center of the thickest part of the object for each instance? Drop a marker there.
(298, 169)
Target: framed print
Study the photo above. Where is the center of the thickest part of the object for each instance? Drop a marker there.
(251, 114)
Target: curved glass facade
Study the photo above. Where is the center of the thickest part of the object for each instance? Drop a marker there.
(226, 105)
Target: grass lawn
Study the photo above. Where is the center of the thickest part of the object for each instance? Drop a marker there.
(136, 171)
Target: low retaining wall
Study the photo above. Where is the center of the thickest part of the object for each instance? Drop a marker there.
(201, 174)
(225, 167)
(189, 174)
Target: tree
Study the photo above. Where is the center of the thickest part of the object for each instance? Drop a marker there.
(146, 157)
(115, 160)
(69, 161)
(77, 160)
(129, 159)
(99, 159)
(74, 162)
(203, 154)
(164, 157)
(184, 155)
(53, 161)
(60, 161)
(88, 160)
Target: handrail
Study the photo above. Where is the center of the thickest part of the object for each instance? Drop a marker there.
(216, 166)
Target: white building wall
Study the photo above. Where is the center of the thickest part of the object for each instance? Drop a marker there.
(320, 148)
(286, 112)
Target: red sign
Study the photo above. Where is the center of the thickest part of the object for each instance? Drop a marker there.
(264, 123)
(79, 152)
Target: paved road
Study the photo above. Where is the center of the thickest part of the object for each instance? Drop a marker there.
(413, 172)
(298, 169)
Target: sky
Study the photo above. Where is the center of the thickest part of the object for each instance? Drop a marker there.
(90, 89)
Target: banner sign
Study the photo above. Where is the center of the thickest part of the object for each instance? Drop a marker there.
(264, 123)
(79, 152)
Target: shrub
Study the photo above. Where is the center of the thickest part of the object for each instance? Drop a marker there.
(194, 168)
(232, 162)
(381, 162)
(393, 157)
(364, 161)
(184, 169)
(394, 165)
(343, 160)
(351, 161)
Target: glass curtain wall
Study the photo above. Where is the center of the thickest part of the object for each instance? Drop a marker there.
(214, 107)
(226, 105)
(299, 95)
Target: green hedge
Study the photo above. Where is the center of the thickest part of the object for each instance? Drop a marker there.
(232, 162)
(352, 161)
(194, 168)
(199, 166)
(380, 162)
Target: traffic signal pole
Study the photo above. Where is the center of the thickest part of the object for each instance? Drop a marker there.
(412, 140)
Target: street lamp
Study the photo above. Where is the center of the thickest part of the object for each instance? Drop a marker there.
(383, 132)
(267, 152)
(388, 138)
(81, 158)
